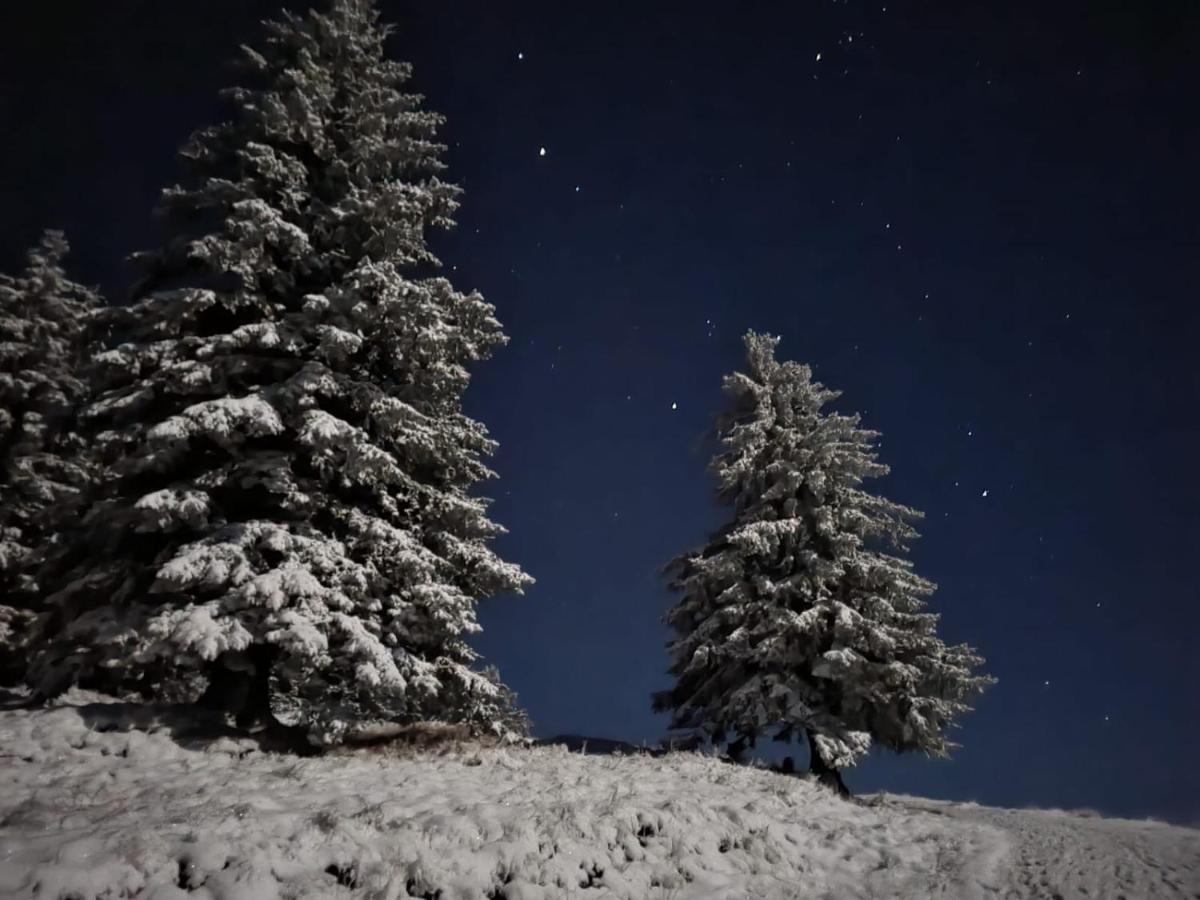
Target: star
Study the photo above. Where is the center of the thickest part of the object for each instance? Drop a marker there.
(542, 151)
(818, 57)
(985, 493)
(674, 406)
(1047, 682)
(520, 56)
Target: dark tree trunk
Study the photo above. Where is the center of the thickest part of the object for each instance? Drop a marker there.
(246, 695)
(256, 710)
(737, 749)
(226, 689)
(239, 691)
(821, 770)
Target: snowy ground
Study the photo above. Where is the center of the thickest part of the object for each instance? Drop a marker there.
(89, 810)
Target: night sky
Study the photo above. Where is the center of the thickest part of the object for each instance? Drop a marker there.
(981, 222)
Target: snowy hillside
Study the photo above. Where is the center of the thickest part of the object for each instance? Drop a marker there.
(91, 810)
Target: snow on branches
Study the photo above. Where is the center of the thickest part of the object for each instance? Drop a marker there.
(45, 322)
(290, 474)
(802, 614)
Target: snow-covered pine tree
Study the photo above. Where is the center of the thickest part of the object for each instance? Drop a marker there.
(500, 707)
(45, 320)
(287, 524)
(796, 618)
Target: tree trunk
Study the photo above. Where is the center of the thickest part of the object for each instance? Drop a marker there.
(256, 710)
(246, 695)
(821, 770)
(737, 749)
(226, 690)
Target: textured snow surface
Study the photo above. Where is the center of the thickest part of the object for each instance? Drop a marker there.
(90, 809)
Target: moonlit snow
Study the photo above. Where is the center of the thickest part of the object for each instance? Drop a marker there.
(92, 809)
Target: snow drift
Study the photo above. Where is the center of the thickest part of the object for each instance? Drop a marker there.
(93, 809)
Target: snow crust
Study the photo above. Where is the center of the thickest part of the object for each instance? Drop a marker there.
(91, 809)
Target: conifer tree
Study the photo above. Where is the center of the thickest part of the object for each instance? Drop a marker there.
(45, 320)
(502, 708)
(802, 616)
(287, 525)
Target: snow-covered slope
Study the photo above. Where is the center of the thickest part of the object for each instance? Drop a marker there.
(88, 810)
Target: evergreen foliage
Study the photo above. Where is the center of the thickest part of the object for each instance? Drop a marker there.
(803, 615)
(288, 466)
(500, 710)
(45, 322)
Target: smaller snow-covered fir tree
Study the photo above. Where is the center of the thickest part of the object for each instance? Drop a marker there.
(800, 617)
(44, 322)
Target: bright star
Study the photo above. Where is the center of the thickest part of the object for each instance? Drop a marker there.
(542, 151)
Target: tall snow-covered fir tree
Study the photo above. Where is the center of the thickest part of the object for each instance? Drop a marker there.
(45, 322)
(802, 616)
(287, 524)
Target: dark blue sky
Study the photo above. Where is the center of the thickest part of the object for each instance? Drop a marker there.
(979, 221)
